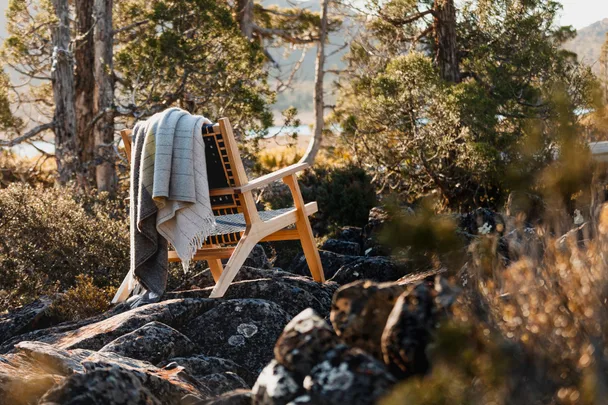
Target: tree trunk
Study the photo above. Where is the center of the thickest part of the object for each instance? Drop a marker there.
(85, 86)
(319, 106)
(104, 96)
(604, 70)
(446, 49)
(245, 17)
(62, 72)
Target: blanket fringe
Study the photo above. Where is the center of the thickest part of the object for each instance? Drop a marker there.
(198, 240)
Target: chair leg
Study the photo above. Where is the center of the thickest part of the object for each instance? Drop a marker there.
(305, 232)
(240, 254)
(216, 267)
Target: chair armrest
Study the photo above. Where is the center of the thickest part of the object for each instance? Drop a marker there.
(270, 177)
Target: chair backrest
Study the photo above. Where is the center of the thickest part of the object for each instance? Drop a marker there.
(225, 169)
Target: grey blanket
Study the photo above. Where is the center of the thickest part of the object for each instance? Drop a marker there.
(169, 197)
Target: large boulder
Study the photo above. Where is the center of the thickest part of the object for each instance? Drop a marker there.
(288, 296)
(169, 384)
(348, 376)
(108, 386)
(236, 397)
(221, 383)
(25, 319)
(276, 386)
(378, 268)
(258, 259)
(303, 343)
(408, 331)
(243, 330)
(154, 342)
(23, 382)
(351, 234)
(330, 261)
(342, 247)
(360, 311)
(201, 366)
(96, 335)
(293, 293)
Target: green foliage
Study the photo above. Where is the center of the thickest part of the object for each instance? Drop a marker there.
(417, 133)
(344, 194)
(48, 237)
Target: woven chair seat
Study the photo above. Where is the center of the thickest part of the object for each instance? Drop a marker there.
(235, 223)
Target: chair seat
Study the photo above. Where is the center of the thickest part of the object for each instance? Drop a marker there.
(234, 223)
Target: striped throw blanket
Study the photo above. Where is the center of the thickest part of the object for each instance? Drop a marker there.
(169, 187)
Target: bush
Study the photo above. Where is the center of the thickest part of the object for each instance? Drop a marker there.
(48, 237)
(82, 301)
(344, 194)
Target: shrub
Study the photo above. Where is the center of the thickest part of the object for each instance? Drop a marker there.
(82, 301)
(344, 194)
(48, 237)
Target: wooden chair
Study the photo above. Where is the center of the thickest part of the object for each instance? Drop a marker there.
(238, 221)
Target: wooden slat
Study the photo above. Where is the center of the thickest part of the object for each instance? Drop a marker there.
(270, 177)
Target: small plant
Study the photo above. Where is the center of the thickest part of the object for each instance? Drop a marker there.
(82, 301)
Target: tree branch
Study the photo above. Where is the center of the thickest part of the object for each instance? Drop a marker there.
(29, 134)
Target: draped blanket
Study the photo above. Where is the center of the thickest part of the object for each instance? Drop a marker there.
(169, 197)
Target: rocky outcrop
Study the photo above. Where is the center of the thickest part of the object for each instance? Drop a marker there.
(98, 334)
(25, 319)
(407, 332)
(200, 366)
(360, 311)
(154, 342)
(108, 386)
(342, 247)
(243, 330)
(378, 268)
(331, 263)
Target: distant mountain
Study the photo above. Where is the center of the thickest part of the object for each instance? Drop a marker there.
(588, 43)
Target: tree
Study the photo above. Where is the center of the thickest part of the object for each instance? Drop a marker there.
(62, 73)
(319, 105)
(104, 95)
(604, 69)
(423, 118)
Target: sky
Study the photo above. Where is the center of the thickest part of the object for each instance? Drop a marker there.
(578, 13)
(581, 13)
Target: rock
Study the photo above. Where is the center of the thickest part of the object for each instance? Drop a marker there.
(109, 386)
(220, 383)
(267, 283)
(236, 397)
(201, 366)
(94, 336)
(371, 244)
(342, 247)
(360, 311)
(56, 361)
(288, 296)
(331, 263)
(348, 376)
(379, 269)
(303, 343)
(25, 319)
(153, 342)
(258, 259)
(481, 221)
(242, 330)
(169, 384)
(350, 234)
(408, 332)
(23, 382)
(276, 386)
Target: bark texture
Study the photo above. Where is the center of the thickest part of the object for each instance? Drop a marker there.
(105, 173)
(66, 153)
(245, 17)
(319, 105)
(84, 82)
(446, 49)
